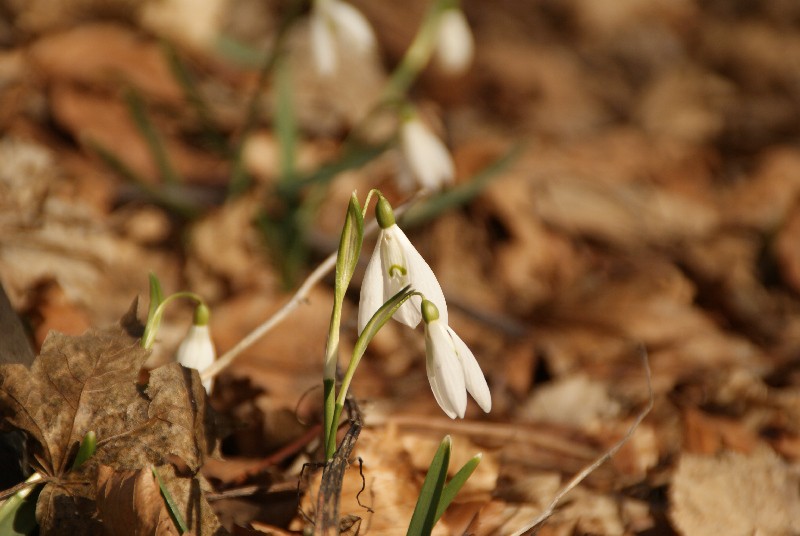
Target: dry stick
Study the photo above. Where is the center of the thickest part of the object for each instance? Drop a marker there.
(589, 469)
(299, 297)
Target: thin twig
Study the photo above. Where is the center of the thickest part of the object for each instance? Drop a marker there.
(589, 469)
(299, 297)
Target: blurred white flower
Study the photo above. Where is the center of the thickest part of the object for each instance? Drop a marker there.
(337, 24)
(197, 349)
(426, 156)
(454, 44)
(452, 368)
(394, 264)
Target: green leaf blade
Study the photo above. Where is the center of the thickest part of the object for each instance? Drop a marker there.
(424, 517)
(452, 488)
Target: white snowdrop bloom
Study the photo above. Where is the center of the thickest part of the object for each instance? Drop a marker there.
(394, 264)
(452, 369)
(336, 24)
(426, 156)
(197, 349)
(455, 46)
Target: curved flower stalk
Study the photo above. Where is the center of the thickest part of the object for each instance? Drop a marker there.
(452, 368)
(197, 349)
(426, 156)
(395, 264)
(455, 46)
(333, 24)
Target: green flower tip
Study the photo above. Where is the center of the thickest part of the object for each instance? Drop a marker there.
(384, 213)
(201, 315)
(429, 312)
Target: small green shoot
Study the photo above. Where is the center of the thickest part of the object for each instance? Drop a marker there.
(86, 450)
(435, 496)
(18, 512)
(424, 517)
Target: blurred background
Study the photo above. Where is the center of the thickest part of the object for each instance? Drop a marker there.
(627, 177)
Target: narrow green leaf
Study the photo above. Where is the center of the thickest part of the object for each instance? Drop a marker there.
(424, 517)
(156, 295)
(461, 194)
(285, 122)
(211, 132)
(452, 488)
(86, 450)
(174, 510)
(353, 158)
(151, 136)
(18, 512)
(375, 323)
(170, 199)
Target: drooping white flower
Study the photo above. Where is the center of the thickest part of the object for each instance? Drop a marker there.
(394, 264)
(336, 24)
(455, 46)
(425, 154)
(452, 369)
(197, 349)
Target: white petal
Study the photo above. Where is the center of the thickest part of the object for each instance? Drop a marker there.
(371, 288)
(473, 376)
(421, 277)
(397, 275)
(427, 156)
(444, 370)
(197, 351)
(454, 46)
(352, 26)
(323, 46)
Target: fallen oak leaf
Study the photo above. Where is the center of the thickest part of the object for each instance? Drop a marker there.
(75, 385)
(179, 416)
(87, 383)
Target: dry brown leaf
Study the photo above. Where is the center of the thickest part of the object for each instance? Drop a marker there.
(105, 55)
(75, 385)
(87, 383)
(735, 495)
(98, 119)
(624, 215)
(130, 503)
(46, 236)
(178, 412)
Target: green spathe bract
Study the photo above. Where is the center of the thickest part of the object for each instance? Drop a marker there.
(346, 261)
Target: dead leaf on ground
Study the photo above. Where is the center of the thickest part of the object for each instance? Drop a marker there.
(105, 54)
(735, 495)
(130, 503)
(88, 383)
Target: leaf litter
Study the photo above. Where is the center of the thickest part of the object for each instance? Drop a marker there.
(88, 383)
(656, 202)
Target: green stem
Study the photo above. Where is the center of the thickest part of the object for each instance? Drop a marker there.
(419, 53)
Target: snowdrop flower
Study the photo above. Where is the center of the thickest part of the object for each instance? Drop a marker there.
(454, 44)
(426, 156)
(394, 264)
(452, 369)
(335, 23)
(197, 349)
